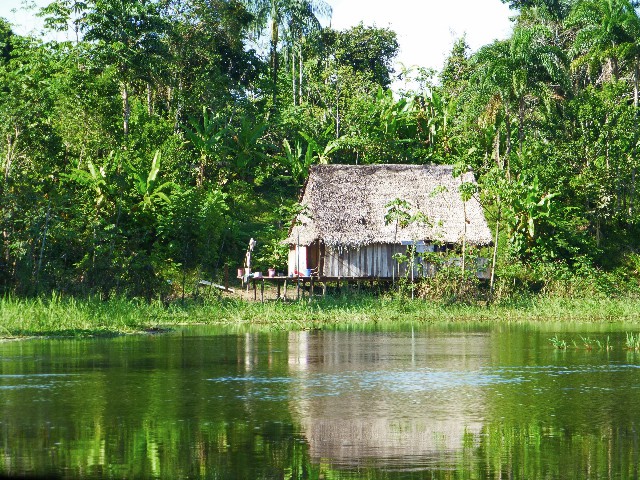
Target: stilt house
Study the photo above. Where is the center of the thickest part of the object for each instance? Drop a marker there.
(344, 229)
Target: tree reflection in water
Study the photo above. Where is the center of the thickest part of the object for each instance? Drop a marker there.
(432, 403)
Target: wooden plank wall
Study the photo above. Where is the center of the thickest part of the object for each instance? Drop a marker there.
(369, 261)
(373, 261)
(293, 261)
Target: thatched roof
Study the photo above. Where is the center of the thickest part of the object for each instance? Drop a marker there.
(345, 206)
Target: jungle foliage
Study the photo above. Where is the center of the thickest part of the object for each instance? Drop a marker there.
(144, 151)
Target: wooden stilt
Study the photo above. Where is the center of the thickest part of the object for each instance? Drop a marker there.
(255, 291)
(278, 292)
(284, 297)
(262, 291)
(311, 295)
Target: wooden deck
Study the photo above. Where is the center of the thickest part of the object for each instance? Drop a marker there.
(305, 285)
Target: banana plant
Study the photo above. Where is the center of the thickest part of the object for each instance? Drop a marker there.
(296, 161)
(207, 137)
(245, 146)
(322, 155)
(147, 186)
(394, 117)
(528, 208)
(95, 177)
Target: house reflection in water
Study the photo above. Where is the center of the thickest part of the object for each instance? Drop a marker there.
(369, 398)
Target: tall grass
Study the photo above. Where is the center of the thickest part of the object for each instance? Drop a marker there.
(633, 341)
(58, 315)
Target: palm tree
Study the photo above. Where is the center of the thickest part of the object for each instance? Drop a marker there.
(524, 68)
(527, 66)
(609, 35)
(296, 18)
(607, 32)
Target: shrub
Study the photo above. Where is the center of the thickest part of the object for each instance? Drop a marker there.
(449, 286)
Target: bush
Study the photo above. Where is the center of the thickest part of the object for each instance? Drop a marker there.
(450, 286)
(562, 279)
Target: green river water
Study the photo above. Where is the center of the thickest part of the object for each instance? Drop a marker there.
(407, 402)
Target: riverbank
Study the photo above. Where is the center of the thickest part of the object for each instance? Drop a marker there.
(58, 316)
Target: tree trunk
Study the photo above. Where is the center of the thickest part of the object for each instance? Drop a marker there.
(44, 240)
(149, 99)
(12, 140)
(274, 58)
(337, 108)
(496, 150)
(613, 65)
(632, 192)
(178, 110)
(507, 155)
(464, 237)
(636, 79)
(495, 250)
(521, 107)
(300, 73)
(634, 159)
(201, 171)
(293, 75)
(126, 109)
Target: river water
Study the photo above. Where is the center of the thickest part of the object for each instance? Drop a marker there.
(471, 401)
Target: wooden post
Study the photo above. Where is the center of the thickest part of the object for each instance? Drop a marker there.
(255, 290)
(247, 262)
(278, 292)
(412, 283)
(262, 291)
(226, 277)
(324, 288)
(311, 295)
(284, 297)
(298, 288)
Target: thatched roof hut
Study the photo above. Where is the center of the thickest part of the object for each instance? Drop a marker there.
(345, 206)
(343, 229)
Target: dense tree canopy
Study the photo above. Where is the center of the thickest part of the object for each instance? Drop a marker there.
(145, 152)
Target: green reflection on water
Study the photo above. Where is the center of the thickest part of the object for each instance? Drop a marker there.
(412, 402)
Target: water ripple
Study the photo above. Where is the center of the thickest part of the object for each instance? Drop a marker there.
(325, 384)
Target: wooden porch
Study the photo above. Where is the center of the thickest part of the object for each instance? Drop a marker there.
(300, 287)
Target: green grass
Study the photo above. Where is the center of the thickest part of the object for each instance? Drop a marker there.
(558, 343)
(62, 316)
(586, 343)
(56, 316)
(633, 341)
